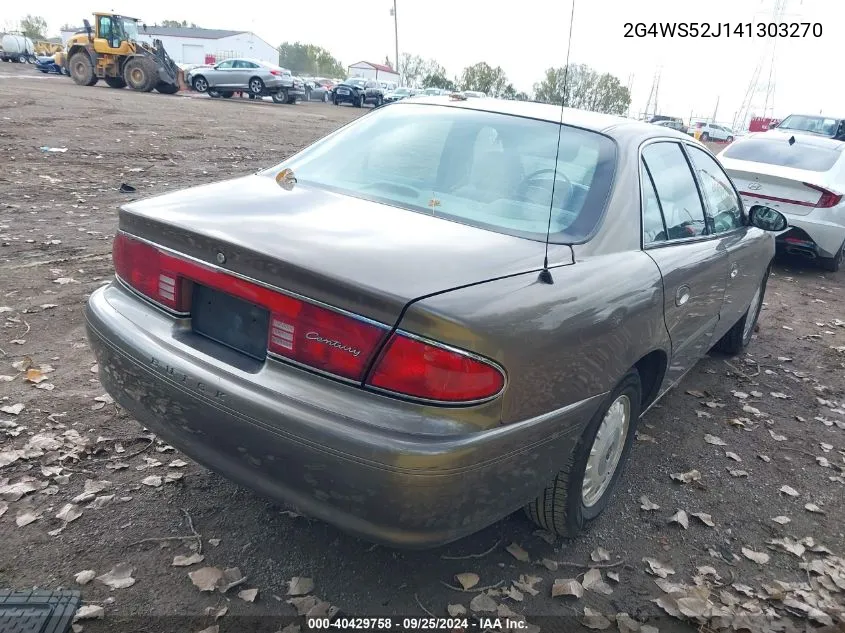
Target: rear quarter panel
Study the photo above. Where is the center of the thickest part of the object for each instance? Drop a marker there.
(559, 343)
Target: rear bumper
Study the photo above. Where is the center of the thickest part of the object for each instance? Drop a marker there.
(827, 234)
(327, 448)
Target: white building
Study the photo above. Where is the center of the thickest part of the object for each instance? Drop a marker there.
(369, 70)
(187, 45)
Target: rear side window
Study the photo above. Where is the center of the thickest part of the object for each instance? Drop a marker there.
(676, 190)
(723, 206)
(778, 151)
(485, 169)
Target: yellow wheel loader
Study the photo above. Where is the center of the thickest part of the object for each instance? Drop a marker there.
(112, 51)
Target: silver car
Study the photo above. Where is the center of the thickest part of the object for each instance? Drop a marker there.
(256, 77)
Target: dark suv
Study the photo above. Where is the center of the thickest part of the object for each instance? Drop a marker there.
(358, 91)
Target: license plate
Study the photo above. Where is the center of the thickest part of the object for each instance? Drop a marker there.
(341, 91)
(231, 321)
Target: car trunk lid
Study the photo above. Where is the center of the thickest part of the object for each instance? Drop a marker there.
(781, 188)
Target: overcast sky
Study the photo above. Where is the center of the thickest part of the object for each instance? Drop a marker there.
(527, 36)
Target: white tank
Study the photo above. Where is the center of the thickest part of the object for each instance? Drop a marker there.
(16, 46)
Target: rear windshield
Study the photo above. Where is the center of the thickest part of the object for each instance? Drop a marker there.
(778, 151)
(489, 170)
(814, 124)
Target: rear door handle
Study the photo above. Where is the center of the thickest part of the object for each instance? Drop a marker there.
(734, 270)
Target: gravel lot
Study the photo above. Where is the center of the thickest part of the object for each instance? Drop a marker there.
(776, 410)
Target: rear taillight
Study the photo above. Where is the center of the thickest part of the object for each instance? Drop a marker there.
(314, 336)
(423, 370)
(828, 198)
(150, 272)
(278, 73)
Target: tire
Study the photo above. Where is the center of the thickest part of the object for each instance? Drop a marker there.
(256, 86)
(82, 69)
(166, 88)
(379, 101)
(141, 74)
(336, 102)
(704, 137)
(308, 94)
(326, 97)
(730, 139)
(292, 100)
(833, 264)
(115, 82)
(281, 96)
(565, 507)
(200, 84)
(214, 94)
(227, 95)
(739, 336)
(359, 101)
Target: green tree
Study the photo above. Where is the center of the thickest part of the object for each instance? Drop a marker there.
(585, 89)
(438, 79)
(308, 59)
(34, 26)
(484, 78)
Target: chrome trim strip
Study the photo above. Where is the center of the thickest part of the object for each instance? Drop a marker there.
(288, 293)
(170, 311)
(455, 350)
(290, 361)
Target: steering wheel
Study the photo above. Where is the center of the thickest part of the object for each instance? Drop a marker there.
(526, 185)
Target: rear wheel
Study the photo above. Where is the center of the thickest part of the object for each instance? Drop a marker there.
(704, 137)
(141, 74)
(580, 491)
(115, 82)
(166, 88)
(214, 94)
(256, 86)
(730, 139)
(281, 96)
(359, 101)
(833, 264)
(326, 97)
(82, 69)
(739, 336)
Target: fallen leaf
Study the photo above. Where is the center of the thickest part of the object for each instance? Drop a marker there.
(567, 587)
(298, 586)
(248, 595)
(550, 564)
(35, 376)
(594, 582)
(647, 504)
(304, 604)
(4, 507)
(779, 395)
(26, 517)
(120, 577)
(153, 481)
(788, 545)
(89, 612)
(456, 610)
(614, 576)
(680, 517)
(736, 472)
(518, 553)
(812, 507)
(599, 555)
(69, 512)
(685, 478)
(781, 520)
(765, 458)
(776, 437)
(214, 628)
(656, 568)
(187, 561)
(232, 577)
(693, 607)
(84, 577)
(467, 580)
(595, 620)
(207, 578)
(733, 456)
(177, 463)
(13, 409)
(789, 490)
(758, 557)
(705, 518)
(214, 542)
(715, 441)
(626, 624)
(482, 603)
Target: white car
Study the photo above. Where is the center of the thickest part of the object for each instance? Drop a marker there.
(712, 132)
(803, 177)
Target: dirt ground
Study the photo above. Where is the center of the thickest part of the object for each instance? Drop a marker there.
(749, 426)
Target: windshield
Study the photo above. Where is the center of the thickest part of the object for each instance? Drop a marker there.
(402, 91)
(130, 29)
(484, 169)
(814, 124)
(800, 155)
(356, 81)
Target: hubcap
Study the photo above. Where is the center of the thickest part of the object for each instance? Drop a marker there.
(136, 75)
(753, 311)
(200, 85)
(606, 451)
(255, 87)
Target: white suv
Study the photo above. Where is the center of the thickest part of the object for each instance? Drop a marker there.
(712, 132)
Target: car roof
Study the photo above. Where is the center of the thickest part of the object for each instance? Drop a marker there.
(594, 121)
(815, 116)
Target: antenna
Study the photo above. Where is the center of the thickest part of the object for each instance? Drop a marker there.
(546, 274)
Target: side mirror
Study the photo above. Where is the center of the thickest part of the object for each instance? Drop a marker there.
(767, 219)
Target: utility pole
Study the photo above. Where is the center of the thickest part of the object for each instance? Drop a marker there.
(716, 109)
(395, 34)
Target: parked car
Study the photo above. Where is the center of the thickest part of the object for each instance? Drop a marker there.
(711, 132)
(387, 86)
(832, 127)
(47, 64)
(251, 76)
(315, 91)
(473, 94)
(398, 94)
(358, 91)
(672, 124)
(803, 177)
(409, 345)
(436, 92)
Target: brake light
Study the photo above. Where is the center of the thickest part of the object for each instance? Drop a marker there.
(828, 198)
(149, 271)
(416, 368)
(278, 73)
(299, 330)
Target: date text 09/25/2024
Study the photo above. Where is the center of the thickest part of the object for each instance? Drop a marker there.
(722, 29)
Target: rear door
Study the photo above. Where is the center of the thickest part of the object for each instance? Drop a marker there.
(746, 246)
(692, 261)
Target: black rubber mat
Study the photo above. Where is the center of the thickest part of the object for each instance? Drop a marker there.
(37, 611)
